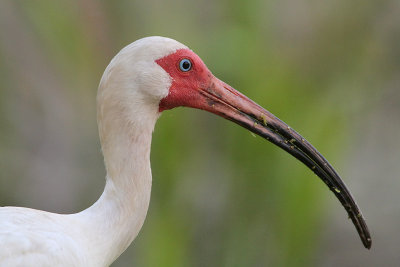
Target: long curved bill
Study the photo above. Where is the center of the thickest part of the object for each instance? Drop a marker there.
(223, 100)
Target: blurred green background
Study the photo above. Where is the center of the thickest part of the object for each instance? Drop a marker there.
(221, 197)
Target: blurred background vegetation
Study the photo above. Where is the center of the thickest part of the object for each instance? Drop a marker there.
(221, 197)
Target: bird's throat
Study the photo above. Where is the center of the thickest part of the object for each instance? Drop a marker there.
(117, 217)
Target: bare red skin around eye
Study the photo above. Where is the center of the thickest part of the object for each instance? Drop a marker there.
(184, 90)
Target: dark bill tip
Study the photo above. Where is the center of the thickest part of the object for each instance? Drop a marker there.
(279, 133)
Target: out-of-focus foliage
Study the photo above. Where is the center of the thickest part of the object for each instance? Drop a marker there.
(220, 196)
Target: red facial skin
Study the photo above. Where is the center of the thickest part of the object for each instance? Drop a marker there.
(198, 88)
(184, 90)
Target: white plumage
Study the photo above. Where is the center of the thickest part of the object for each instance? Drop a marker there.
(129, 93)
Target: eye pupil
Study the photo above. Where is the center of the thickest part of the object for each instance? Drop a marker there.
(185, 65)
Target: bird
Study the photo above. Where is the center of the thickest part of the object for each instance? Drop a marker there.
(146, 78)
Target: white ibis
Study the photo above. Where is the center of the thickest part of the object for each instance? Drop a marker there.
(144, 79)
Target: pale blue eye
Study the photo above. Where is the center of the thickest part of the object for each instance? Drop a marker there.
(185, 65)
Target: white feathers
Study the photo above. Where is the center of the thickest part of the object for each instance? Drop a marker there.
(128, 97)
(37, 238)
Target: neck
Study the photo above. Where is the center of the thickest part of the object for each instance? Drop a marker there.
(116, 218)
